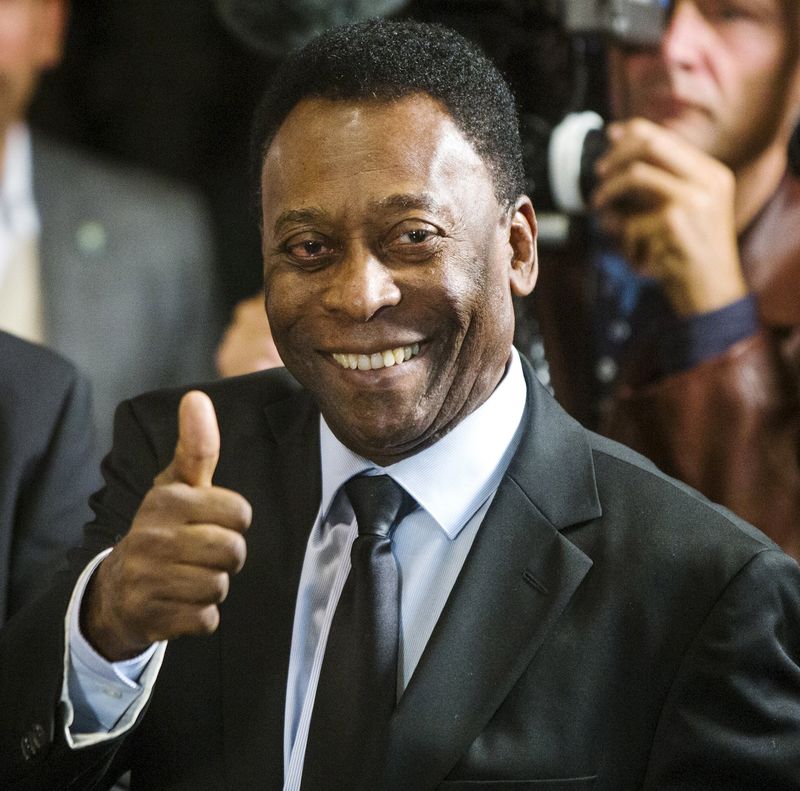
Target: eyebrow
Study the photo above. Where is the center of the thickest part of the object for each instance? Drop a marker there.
(309, 215)
(313, 215)
(404, 201)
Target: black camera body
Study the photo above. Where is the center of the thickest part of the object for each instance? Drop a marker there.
(634, 22)
(560, 158)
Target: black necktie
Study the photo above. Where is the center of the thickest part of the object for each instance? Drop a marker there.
(357, 688)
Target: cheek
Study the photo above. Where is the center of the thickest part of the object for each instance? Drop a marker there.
(481, 298)
(762, 84)
(287, 302)
(461, 289)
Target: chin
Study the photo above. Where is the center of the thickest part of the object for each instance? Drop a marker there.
(379, 438)
(690, 127)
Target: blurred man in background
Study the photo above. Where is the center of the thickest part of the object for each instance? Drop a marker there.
(109, 266)
(676, 327)
(47, 467)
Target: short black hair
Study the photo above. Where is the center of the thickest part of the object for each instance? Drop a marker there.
(386, 60)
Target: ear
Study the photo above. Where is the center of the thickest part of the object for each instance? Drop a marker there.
(52, 24)
(522, 239)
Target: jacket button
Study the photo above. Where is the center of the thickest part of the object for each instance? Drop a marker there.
(33, 742)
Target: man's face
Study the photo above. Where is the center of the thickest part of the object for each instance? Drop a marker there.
(383, 237)
(30, 41)
(724, 78)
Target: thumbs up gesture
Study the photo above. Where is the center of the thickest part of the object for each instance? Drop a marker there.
(168, 575)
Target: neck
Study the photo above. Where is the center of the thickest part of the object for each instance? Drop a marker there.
(757, 181)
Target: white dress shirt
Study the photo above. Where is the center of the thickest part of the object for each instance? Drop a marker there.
(453, 481)
(21, 309)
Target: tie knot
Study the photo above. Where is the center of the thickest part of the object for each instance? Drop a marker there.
(379, 503)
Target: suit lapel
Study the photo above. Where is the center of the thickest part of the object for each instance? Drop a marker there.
(516, 581)
(277, 468)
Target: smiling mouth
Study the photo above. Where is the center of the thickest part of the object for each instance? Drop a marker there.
(371, 362)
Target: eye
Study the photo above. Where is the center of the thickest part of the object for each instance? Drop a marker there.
(725, 10)
(416, 236)
(308, 248)
(730, 13)
(413, 238)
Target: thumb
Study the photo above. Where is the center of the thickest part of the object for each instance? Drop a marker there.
(197, 449)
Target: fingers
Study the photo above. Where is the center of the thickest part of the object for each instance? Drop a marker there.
(167, 620)
(181, 504)
(638, 187)
(185, 584)
(640, 140)
(155, 548)
(647, 247)
(197, 449)
(161, 581)
(166, 577)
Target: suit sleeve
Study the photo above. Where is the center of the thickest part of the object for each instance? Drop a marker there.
(33, 750)
(54, 501)
(731, 721)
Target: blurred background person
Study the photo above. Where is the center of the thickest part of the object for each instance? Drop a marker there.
(48, 467)
(672, 323)
(247, 344)
(108, 265)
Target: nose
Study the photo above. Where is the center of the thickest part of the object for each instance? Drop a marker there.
(361, 285)
(687, 32)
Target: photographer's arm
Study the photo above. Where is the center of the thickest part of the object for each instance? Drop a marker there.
(727, 421)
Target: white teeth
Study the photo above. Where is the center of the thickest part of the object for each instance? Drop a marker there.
(371, 362)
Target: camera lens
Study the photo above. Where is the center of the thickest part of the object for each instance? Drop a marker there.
(575, 146)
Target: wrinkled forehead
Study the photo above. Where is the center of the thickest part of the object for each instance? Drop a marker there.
(329, 149)
(333, 117)
(412, 137)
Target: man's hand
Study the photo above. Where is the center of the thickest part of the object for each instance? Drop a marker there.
(247, 344)
(166, 577)
(671, 207)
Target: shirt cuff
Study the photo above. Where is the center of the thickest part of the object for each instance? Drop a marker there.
(101, 699)
(690, 341)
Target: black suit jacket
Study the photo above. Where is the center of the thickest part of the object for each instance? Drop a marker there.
(610, 629)
(47, 467)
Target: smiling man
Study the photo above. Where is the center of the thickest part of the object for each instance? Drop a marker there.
(677, 326)
(539, 607)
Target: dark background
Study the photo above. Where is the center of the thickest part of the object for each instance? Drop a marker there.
(166, 85)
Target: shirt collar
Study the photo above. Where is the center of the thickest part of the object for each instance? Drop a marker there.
(17, 206)
(454, 476)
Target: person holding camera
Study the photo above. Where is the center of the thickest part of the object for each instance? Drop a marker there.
(688, 277)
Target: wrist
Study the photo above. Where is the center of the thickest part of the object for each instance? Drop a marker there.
(706, 297)
(100, 628)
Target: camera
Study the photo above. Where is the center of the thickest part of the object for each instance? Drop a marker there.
(634, 22)
(560, 157)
